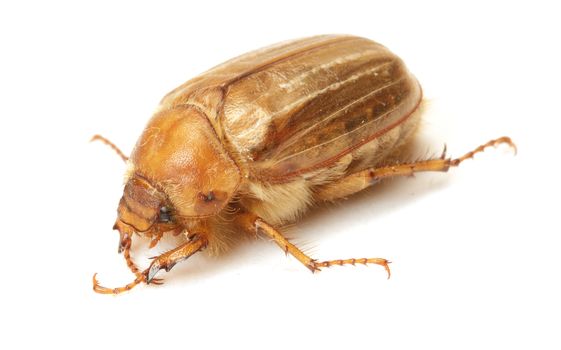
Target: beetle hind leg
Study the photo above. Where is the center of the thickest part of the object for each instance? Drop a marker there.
(358, 181)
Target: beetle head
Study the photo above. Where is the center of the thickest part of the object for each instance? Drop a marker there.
(140, 204)
(142, 209)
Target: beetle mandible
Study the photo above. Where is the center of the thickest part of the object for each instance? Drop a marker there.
(252, 144)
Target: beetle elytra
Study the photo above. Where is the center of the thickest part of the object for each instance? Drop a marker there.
(253, 143)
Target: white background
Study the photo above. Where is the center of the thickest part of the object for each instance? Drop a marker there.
(476, 253)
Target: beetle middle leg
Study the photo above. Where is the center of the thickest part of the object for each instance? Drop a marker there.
(254, 224)
(360, 180)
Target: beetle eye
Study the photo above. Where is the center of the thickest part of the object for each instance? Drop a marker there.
(165, 214)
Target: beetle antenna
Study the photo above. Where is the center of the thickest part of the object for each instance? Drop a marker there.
(110, 144)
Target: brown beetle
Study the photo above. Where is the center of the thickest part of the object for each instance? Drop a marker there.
(253, 143)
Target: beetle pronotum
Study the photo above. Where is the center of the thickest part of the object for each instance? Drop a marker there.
(253, 143)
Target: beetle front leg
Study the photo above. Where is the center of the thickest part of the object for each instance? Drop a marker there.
(164, 261)
(168, 259)
(254, 224)
(125, 243)
(140, 276)
(130, 263)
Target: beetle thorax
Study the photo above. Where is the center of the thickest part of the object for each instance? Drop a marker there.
(181, 155)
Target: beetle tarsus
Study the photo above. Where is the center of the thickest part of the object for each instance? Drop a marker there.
(104, 290)
(494, 143)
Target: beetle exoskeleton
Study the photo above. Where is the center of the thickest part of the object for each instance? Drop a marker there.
(253, 143)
